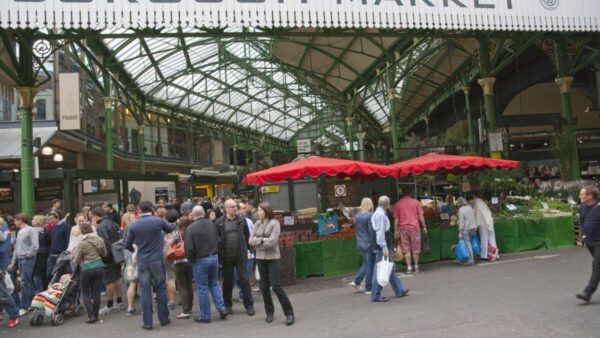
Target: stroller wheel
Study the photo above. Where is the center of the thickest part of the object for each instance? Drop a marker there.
(36, 319)
(79, 311)
(57, 319)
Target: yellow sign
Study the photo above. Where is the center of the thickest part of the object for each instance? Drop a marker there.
(270, 189)
(496, 155)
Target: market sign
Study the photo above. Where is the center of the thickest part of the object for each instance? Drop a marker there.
(304, 146)
(501, 15)
(69, 108)
(340, 190)
(269, 189)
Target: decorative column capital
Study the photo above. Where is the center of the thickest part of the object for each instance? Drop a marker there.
(391, 94)
(466, 90)
(108, 101)
(487, 83)
(141, 129)
(361, 135)
(26, 95)
(564, 83)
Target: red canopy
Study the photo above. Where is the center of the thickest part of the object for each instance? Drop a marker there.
(316, 166)
(450, 164)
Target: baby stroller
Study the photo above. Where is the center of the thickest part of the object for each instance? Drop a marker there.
(62, 296)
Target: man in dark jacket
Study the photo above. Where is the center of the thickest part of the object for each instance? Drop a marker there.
(234, 235)
(112, 213)
(108, 230)
(589, 219)
(201, 250)
(59, 240)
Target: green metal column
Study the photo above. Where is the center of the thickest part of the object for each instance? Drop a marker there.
(142, 149)
(597, 72)
(390, 72)
(467, 91)
(108, 120)
(26, 92)
(235, 166)
(108, 132)
(349, 121)
(487, 83)
(26, 95)
(69, 196)
(564, 82)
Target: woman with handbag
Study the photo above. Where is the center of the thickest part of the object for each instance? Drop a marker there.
(183, 269)
(265, 238)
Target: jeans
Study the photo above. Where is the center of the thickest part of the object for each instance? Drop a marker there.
(184, 277)
(248, 274)
(7, 302)
(594, 249)
(90, 290)
(206, 275)
(28, 290)
(467, 238)
(366, 269)
(394, 280)
(15, 293)
(229, 264)
(40, 276)
(50, 263)
(149, 275)
(270, 278)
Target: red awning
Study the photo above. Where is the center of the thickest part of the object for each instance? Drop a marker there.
(316, 166)
(450, 164)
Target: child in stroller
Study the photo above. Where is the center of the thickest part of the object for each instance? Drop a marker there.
(62, 296)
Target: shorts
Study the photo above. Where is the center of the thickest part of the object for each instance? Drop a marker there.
(112, 272)
(410, 241)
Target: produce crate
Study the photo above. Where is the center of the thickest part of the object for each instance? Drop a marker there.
(288, 267)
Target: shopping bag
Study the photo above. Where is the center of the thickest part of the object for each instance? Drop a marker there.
(492, 254)
(476, 245)
(327, 224)
(384, 270)
(10, 287)
(461, 251)
(425, 246)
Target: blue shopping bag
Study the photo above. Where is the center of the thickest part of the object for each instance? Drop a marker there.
(476, 245)
(461, 251)
(327, 224)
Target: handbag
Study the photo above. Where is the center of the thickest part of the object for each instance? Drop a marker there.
(384, 270)
(425, 246)
(116, 249)
(476, 244)
(176, 251)
(398, 256)
(10, 287)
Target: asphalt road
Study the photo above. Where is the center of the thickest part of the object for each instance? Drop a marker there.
(522, 295)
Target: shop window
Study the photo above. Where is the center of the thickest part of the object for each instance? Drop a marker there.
(40, 110)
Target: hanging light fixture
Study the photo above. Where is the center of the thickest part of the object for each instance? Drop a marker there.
(58, 158)
(47, 151)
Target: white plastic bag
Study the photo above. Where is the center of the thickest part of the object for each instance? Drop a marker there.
(10, 287)
(384, 270)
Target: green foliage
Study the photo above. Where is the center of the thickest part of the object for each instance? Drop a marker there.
(496, 180)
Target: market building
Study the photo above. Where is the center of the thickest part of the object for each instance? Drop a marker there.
(106, 93)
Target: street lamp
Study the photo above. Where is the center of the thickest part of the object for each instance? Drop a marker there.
(58, 158)
(47, 151)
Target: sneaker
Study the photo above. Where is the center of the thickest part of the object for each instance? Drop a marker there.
(13, 323)
(171, 306)
(368, 292)
(118, 307)
(584, 297)
(22, 312)
(131, 312)
(417, 269)
(408, 270)
(354, 285)
(256, 290)
(105, 311)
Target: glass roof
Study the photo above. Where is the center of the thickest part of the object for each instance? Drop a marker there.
(230, 79)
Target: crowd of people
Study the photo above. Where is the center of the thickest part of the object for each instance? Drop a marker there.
(148, 253)
(375, 236)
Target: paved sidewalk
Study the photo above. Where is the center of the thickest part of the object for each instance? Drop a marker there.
(522, 295)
